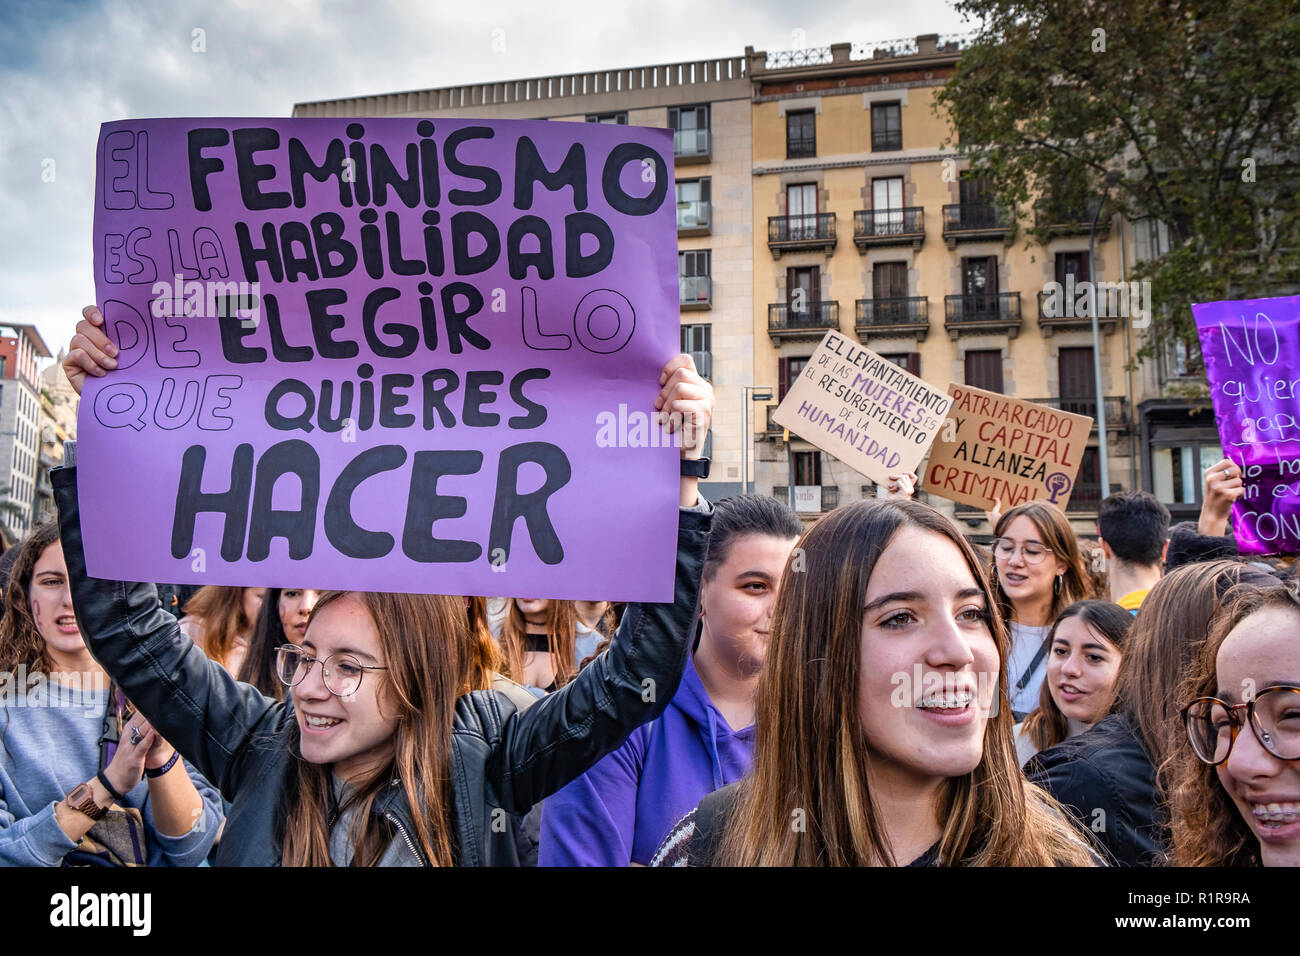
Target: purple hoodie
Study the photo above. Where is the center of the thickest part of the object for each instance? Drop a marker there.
(622, 808)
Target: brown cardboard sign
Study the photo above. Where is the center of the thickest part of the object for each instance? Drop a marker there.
(1005, 448)
(860, 407)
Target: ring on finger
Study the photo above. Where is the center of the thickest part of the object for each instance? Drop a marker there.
(136, 736)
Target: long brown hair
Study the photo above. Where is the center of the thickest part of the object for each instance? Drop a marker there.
(21, 644)
(1207, 826)
(810, 750)
(1046, 726)
(428, 652)
(220, 610)
(1168, 632)
(1056, 533)
(561, 635)
(485, 661)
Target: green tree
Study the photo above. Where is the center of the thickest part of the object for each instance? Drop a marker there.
(1185, 112)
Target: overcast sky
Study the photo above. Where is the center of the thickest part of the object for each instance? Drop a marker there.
(67, 66)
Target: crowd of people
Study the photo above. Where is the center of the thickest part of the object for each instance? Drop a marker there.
(874, 690)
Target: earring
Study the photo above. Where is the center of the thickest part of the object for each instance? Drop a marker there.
(1056, 585)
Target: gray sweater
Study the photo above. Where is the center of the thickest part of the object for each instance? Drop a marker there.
(49, 743)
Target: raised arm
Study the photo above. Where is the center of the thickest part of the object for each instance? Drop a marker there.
(197, 707)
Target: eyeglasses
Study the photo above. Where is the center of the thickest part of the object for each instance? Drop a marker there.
(1273, 715)
(341, 673)
(1031, 551)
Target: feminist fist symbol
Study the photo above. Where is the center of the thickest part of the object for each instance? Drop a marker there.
(1057, 484)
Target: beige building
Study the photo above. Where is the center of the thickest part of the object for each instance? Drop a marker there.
(707, 104)
(866, 222)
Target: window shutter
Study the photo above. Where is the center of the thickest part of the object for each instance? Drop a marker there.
(782, 377)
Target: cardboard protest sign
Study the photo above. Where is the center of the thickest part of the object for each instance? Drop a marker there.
(1252, 361)
(1005, 448)
(384, 354)
(862, 408)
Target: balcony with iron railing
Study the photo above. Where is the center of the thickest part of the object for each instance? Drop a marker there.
(694, 217)
(983, 313)
(1069, 313)
(692, 146)
(694, 293)
(1117, 409)
(800, 146)
(904, 226)
(1076, 222)
(886, 140)
(811, 321)
(828, 498)
(976, 222)
(772, 428)
(906, 315)
(802, 232)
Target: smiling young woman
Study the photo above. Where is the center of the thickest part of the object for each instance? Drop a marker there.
(1086, 645)
(380, 756)
(1038, 570)
(1236, 796)
(883, 736)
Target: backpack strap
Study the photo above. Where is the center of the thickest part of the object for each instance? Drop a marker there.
(711, 818)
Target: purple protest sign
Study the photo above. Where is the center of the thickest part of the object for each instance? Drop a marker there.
(1252, 361)
(377, 354)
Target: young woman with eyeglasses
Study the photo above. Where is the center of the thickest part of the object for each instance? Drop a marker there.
(1039, 572)
(1236, 799)
(380, 756)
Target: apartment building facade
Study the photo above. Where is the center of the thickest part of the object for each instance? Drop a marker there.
(20, 348)
(707, 105)
(867, 221)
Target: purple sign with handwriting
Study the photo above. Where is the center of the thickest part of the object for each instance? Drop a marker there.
(383, 354)
(1252, 360)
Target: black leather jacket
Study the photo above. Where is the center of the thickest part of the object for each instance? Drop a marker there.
(500, 757)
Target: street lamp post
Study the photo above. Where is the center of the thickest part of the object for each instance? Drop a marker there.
(1103, 459)
(762, 393)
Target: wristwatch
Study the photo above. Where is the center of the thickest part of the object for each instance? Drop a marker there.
(82, 799)
(695, 467)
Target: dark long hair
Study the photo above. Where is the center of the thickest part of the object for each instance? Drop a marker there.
(1047, 726)
(258, 668)
(21, 644)
(810, 753)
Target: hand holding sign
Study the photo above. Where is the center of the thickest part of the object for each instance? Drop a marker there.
(90, 352)
(1223, 486)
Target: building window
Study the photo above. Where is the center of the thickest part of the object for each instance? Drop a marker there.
(1077, 381)
(1072, 264)
(613, 119)
(697, 341)
(803, 290)
(690, 126)
(807, 468)
(695, 285)
(886, 126)
(787, 370)
(889, 281)
(906, 360)
(801, 210)
(800, 134)
(1177, 470)
(984, 369)
(887, 206)
(694, 204)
